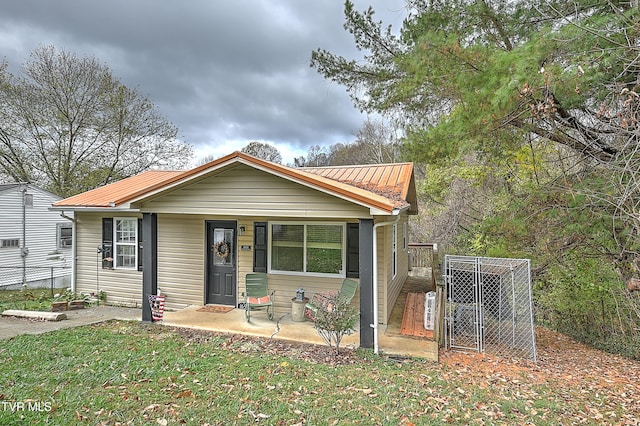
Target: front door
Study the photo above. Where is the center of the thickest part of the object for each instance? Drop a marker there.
(221, 263)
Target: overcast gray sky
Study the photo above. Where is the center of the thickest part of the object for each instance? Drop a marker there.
(226, 72)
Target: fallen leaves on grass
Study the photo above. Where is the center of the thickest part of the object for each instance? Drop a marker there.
(569, 384)
(320, 354)
(598, 383)
(578, 373)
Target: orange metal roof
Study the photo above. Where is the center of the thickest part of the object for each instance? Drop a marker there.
(116, 193)
(384, 186)
(389, 180)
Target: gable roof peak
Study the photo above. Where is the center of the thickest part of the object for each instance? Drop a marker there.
(383, 187)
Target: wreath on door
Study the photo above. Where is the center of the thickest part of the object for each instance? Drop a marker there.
(222, 249)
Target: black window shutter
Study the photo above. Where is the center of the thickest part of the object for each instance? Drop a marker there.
(353, 250)
(260, 247)
(107, 243)
(139, 244)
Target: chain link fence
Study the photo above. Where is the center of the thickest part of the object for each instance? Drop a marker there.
(18, 277)
(489, 306)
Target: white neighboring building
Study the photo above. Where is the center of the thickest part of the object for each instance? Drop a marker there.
(35, 242)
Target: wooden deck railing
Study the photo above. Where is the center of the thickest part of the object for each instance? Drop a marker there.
(424, 256)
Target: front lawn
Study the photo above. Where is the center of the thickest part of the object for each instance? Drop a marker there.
(130, 373)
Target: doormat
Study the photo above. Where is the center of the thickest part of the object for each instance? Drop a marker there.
(215, 309)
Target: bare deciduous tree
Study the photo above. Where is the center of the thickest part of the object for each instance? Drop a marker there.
(317, 156)
(68, 125)
(264, 151)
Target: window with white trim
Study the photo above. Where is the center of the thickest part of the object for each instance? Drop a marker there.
(404, 236)
(309, 248)
(125, 242)
(65, 235)
(394, 248)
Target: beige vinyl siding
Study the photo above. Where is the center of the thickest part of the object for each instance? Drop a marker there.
(245, 258)
(122, 286)
(181, 262)
(245, 191)
(395, 284)
(389, 287)
(181, 259)
(182, 265)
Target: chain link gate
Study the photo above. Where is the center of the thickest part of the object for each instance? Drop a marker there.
(489, 306)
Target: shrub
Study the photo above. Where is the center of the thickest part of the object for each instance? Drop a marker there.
(334, 320)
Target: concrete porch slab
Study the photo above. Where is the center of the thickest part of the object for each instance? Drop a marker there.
(283, 327)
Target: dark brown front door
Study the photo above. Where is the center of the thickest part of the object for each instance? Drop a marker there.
(221, 263)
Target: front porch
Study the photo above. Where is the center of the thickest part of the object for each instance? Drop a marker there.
(391, 340)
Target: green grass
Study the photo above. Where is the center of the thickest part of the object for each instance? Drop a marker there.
(130, 373)
(36, 299)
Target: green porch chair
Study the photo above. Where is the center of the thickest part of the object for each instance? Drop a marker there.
(346, 293)
(257, 295)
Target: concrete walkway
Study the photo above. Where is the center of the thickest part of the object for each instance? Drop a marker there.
(12, 326)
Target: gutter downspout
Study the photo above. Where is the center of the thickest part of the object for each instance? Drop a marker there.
(375, 277)
(24, 250)
(73, 249)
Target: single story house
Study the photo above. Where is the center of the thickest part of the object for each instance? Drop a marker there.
(35, 243)
(194, 235)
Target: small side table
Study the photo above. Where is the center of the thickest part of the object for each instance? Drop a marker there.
(297, 309)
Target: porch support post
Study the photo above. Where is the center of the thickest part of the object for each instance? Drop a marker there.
(366, 282)
(149, 262)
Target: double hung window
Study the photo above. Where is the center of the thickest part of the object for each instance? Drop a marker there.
(125, 242)
(121, 243)
(65, 235)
